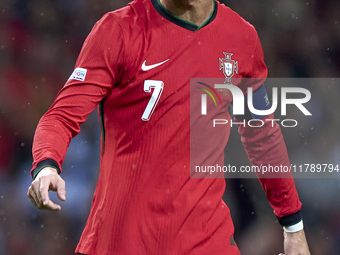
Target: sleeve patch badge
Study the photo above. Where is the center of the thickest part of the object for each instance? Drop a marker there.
(78, 74)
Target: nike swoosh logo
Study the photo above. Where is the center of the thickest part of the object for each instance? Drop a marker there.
(147, 68)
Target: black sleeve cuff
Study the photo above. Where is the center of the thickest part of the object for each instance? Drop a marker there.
(45, 163)
(291, 219)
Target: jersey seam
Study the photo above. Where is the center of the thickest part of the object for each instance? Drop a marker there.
(124, 37)
(101, 104)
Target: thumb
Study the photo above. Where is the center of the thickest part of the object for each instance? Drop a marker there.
(61, 190)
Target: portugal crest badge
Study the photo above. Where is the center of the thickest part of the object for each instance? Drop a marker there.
(229, 67)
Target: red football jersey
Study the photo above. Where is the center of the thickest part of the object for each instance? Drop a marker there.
(136, 64)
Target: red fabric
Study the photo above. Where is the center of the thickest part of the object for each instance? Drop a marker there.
(145, 201)
(266, 146)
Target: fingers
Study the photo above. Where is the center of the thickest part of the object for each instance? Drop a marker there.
(61, 190)
(38, 192)
(34, 193)
(31, 199)
(43, 206)
(45, 184)
(49, 205)
(43, 190)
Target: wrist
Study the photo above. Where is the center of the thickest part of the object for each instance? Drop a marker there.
(46, 171)
(42, 165)
(294, 227)
(290, 219)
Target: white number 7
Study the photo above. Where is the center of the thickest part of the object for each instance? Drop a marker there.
(157, 87)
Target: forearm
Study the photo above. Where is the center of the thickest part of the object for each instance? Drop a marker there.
(266, 146)
(62, 122)
(50, 144)
(93, 78)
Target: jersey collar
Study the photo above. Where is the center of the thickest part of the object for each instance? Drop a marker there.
(181, 22)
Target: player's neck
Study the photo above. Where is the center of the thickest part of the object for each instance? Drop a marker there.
(194, 11)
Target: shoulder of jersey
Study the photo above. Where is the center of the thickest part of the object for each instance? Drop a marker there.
(132, 13)
(233, 18)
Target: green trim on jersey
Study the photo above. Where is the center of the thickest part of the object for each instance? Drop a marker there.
(179, 21)
(101, 116)
(176, 17)
(209, 19)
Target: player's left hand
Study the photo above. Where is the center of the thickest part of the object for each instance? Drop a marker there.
(295, 243)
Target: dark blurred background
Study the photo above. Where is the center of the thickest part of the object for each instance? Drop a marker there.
(39, 43)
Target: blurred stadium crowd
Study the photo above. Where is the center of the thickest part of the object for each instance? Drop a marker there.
(39, 43)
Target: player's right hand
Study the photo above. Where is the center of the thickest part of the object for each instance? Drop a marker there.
(47, 179)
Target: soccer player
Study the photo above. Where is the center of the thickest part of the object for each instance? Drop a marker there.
(136, 64)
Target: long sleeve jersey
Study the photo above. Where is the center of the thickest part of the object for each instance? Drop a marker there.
(136, 64)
